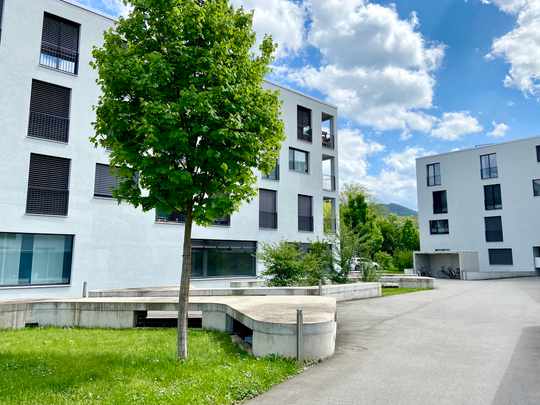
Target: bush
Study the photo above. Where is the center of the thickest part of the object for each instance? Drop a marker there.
(384, 260)
(403, 259)
(283, 264)
(370, 274)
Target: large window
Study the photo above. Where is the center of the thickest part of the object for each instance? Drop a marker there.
(298, 160)
(536, 187)
(30, 259)
(500, 256)
(59, 44)
(305, 213)
(433, 174)
(48, 185)
(440, 206)
(303, 120)
(180, 217)
(494, 232)
(105, 179)
(49, 112)
(222, 258)
(268, 217)
(488, 166)
(274, 173)
(492, 197)
(438, 227)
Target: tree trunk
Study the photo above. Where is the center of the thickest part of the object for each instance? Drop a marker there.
(184, 290)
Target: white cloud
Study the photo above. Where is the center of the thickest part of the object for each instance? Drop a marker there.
(521, 46)
(283, 19)
(113, 7)
(499, 131)
(508, 6)
(353, 151)
(376, 67)
(455, 124)
(510, 103)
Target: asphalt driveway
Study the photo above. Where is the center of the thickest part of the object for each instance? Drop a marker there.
(467, 342)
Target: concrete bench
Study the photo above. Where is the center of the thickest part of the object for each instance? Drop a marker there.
(272, 318)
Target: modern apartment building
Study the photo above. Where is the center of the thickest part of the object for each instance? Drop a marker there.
(479, 208)
(60, 226)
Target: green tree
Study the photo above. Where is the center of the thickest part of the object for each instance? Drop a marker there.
(384, 260)
(283, 264)
(345, 244)
(371, 239)
(410, 237)
(391, 231)
(403, 259)
(185, 114)
(357, 212)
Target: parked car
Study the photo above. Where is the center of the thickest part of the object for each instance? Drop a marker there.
(358, 262)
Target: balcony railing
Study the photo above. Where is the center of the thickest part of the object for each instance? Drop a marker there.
(494, 236)
(47, 201)
(329, 225)
(268, 220)
(304, 133)
(493, 204)
(48, 127)
(440, 208)
(489, 172)
(327, 140)
(58, 57)
(329, 182)
(434, 180)
(305, 223)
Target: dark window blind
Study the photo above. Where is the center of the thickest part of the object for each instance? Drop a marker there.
(305, 216)
(492, 197)
(537, 147)
(48, 185)
(105, 179)
(494, 232)
(267, 209)
(49, 112)
(500, 256)
(59, 44)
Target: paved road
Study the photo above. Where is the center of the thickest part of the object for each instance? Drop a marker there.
(467, 342)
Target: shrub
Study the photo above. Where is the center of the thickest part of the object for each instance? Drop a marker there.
(283, 264)
(403, 259)
(384, 260)
(370, 274)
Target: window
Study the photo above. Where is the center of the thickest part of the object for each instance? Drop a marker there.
(222, 258)
(494, 231)
(1, 9)
(48, 185)
(59, 44)
(536, 188)
(438, 227)
(434, 174)
(105, 179)
(274, 174)
(305, 213)
(492, 197)
(303, 121)
(49, 112)
(268, 209)
(488, 166)
(298, 160)
(175, 216)
(440, 205)
(32, 259)
(537, 151)
(500, 256)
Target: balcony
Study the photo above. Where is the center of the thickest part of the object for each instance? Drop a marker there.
(304, 133)
(58, 58)
(494, 236)
(329, 182)
(268, 220)
(305, 223)
(327, 140)
(329, 225)
(48, 127)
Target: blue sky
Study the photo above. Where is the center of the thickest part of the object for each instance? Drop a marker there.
(410, 77)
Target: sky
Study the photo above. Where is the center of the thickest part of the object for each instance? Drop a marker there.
(410, 78)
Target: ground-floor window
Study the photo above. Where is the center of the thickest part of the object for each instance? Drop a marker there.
(500, 256)
(222, 258)
(33, 259)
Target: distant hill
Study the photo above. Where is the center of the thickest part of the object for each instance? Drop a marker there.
(400, 210)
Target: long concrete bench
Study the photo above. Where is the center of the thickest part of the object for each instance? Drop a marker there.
(341, 292)
(272, 318)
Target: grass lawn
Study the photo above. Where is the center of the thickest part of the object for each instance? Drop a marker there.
(107, 366)
(395, 291)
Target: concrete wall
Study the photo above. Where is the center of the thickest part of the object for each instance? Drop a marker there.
(118, 246)
(460, 177)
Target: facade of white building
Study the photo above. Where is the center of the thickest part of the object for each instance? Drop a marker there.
(485, 203)
(59, 227)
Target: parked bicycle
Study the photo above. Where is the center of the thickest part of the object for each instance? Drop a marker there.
(425, 271)
(449, 272)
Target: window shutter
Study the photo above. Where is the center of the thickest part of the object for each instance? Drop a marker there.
(500, 256)
(105, 179)
(305, 217)
(494, 231)
(267, 200)
(48, 185)
(59, 43)
(49, 112)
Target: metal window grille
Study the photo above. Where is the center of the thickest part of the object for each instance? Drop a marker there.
(267, 209)
(492, 197)
(59, 44)
(48, 185)
(494, 231)
(303, 120)
(106, 181)
(500, 256)
(305, 213)
(49, 112)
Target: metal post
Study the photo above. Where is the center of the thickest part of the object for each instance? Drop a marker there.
(299, 336)
(84, 290)
(320, 287)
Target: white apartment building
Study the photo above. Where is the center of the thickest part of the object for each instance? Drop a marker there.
(60, 226)
(479, 210)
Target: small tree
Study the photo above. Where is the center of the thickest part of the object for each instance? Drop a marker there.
(384, 260)
(410, 237)
(345, 243)
(185, 114)
(283, 264)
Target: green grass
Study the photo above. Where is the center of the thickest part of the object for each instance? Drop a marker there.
(106, 366)
(395, 291)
